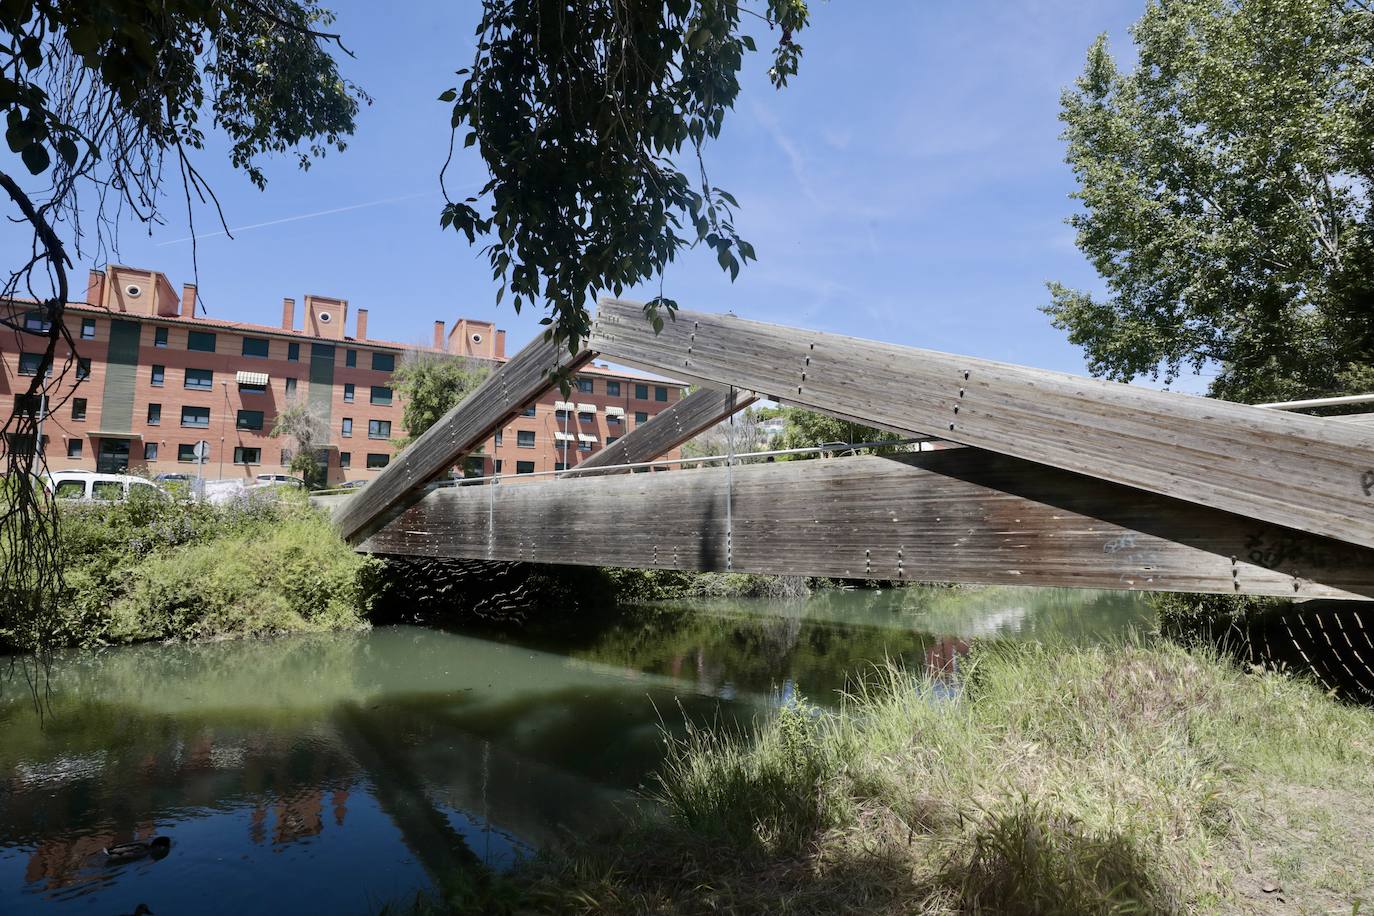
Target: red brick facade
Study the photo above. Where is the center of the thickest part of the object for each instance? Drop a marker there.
(158, 379)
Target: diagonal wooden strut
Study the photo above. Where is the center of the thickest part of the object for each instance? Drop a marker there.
(694, 414)
(509, 388)
(1301, 472)
(957, 515)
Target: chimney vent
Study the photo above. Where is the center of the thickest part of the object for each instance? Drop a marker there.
(95, 287)
(288, 314)
(188, 300)
(439, 343)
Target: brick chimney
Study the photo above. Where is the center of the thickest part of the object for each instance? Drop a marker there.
(188, 300)
(500, 344)
(288, 314)
(361, 333)
(95, 287)
(439, 340)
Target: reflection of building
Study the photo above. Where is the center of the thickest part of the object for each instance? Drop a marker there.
(153, 378)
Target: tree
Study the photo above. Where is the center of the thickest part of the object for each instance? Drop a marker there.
(308, 429)
(1226, 184)
(430, 386)
(100, 100)
(739, 433)
(580, 114)
(807, 429)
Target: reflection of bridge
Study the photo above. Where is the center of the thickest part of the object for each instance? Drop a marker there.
(1060, 480)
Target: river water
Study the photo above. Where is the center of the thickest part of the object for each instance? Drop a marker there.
(337, 773)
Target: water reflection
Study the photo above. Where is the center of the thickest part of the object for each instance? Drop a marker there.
(333, 773)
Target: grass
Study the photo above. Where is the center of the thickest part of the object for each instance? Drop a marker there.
(1142, 778)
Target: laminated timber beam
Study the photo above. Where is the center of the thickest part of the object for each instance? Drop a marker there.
(505, 392)
(686, 419)
(1305, 473)
(954, 515)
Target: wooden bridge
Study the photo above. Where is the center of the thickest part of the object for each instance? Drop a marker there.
(1059, 480)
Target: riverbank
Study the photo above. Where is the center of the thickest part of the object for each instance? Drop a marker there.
(1140, 778)
(145, 570)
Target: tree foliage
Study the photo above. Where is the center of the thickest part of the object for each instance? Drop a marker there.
(1226, 183)
(429, 386)
(807, 429)
(100, 101)
(581, 113)
(307, 427)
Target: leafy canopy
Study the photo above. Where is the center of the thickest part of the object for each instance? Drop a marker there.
(430, 386)
(1225, 183)
(581, 112)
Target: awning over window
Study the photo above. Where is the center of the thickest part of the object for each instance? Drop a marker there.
(586, 438)
(615, 411)
(251, 378)
(113, 434)
(564, 405)
(563, 437)
(587, 408)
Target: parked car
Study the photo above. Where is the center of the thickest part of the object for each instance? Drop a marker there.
(279, 480)
(353, 485)
(88, 486)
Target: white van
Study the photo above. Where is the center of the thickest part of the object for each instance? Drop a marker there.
(88, 486)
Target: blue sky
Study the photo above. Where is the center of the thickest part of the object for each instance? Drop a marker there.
(909, 184)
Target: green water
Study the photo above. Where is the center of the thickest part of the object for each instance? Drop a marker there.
(335, 773)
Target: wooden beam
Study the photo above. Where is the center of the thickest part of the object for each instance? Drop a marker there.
(955, 515)
(686, 419)
(504, 393)
(1301, 472)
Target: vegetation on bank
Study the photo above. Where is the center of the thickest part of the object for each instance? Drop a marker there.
(1137, 778)
(259, 566)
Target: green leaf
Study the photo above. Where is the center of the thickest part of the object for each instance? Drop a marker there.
(35, 158)
(448, 95)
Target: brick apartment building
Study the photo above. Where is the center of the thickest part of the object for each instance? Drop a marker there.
(153, 378)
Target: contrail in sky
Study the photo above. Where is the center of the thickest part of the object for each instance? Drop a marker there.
(292, 219)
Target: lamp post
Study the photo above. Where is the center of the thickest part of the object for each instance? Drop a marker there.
(222, 427)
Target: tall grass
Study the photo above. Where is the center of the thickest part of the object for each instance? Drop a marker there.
(1130, 779)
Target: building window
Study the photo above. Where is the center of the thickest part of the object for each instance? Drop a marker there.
(351, 358)
(255, 347)
(186, 451)
(379, 429)
(245, 388)
(560, 414)
(247, 455)
(198, 417)
(384, 362)
(83, 368)
(381, 394)
(613, 389)
(248, 419)
(641, 417)
(524, 438)
(73, 448)
(202, 379)
(36, 321)
(201, 341)
(159, 337)
(78, 408)
(499, 438)
(529, 411)
(150, 451)
(285, 457)
(348, 393)
(159, 374)
(28, 363)
(524, 467)
(660, 393)
(376, 460)
(614, 419)
(27, 405)
(293, 352)
(290, 388)
(497, 465)
(585, 386)
(87, 332)
(610, 439)
(347, 429)
(585, 445)
(154, 414)
(345, 459)
(560, 466)
(641, 392)
(586, 416)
